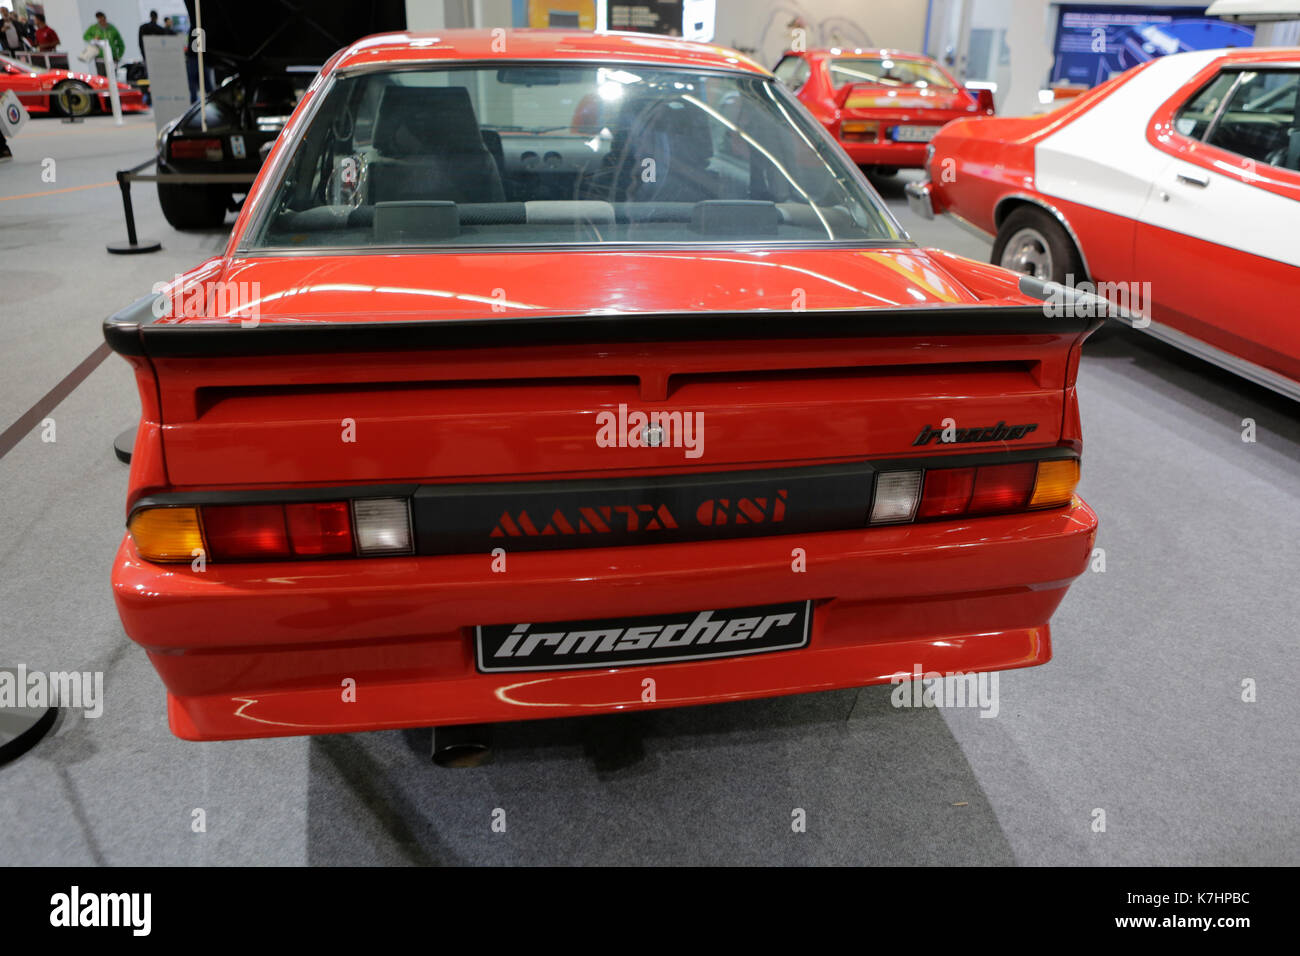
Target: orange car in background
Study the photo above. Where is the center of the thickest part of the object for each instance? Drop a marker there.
(883, 106)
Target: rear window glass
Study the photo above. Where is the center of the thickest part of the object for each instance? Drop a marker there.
(885, 71)
(528, 154)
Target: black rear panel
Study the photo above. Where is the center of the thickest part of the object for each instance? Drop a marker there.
(555, 515)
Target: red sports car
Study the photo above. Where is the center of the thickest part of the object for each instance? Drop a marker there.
(489, 412)
(1173, 190)
(39, 90)
(883, 106)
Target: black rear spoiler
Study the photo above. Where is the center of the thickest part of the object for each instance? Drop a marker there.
(134, 331)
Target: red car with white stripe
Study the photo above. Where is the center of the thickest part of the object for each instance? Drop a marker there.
(883, 106)
(488, 413)
(1178, 181)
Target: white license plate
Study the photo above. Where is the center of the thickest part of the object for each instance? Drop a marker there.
(914, 134)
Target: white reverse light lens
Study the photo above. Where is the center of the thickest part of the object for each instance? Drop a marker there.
(383, 525)
(897, 494)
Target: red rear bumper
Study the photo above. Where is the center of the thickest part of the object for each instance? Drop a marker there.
(264, 650)
(903, 155)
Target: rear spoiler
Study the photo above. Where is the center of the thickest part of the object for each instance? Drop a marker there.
(135, 332)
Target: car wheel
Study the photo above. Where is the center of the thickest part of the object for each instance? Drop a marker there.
(72, 98)
(193, 207)
(1031, 241)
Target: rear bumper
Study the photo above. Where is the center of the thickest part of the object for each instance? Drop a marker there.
(903, 155)
(265, 650)
(920, 198)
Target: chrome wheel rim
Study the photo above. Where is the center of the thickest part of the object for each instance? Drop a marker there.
(1027, 251)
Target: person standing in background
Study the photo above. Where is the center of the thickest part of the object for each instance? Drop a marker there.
(150, 29)
(26, 27)
(11, 34)
(46, 38)
(101, 29)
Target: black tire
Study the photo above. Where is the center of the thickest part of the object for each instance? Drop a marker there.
(193, 206)
(1030, 240)
(80, 99)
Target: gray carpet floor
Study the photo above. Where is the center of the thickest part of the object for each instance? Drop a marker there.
(1139, 714)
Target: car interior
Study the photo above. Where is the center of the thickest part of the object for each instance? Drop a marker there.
(440, 157)
(1260, 122)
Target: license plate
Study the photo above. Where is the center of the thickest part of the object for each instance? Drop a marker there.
(648, 639)
(914, 134)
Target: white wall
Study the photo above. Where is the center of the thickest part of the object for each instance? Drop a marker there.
(70, 18)
(761, 27)
(426, 15)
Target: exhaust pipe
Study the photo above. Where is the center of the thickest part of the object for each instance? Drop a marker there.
(466, 745)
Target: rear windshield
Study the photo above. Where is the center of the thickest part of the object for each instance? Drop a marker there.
(531, 154)
(884, 71)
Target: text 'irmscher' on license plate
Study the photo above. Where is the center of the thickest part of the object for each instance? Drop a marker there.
(648, 639)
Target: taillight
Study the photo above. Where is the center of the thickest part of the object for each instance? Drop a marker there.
(932, 493)
(1055, 483)
(319, 527)
(860, 131)
(166, 534)
(947, 492)
(383, 525)
(896, 496)
(266, 532)
(245, 532)
(209, 149)
(1001, 488)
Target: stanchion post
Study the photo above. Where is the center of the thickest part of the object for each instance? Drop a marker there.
(132, 245)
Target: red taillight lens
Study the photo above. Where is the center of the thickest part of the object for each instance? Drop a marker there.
(268, 532)
(319, 527)
(244, 532)
(947, 492)
(1002, 487)
(196, 149)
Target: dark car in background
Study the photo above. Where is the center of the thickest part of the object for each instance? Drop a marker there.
(242, 115)
(261, 74)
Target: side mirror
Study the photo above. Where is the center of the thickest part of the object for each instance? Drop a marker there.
(983, 99)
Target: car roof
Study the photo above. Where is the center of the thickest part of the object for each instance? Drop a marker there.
(502, 44)
(1270, 55)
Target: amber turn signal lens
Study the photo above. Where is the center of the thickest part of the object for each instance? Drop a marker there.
(858, 130)
(166, 534)
(1054, 485)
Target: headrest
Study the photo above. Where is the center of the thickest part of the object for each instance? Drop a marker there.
(425, 120)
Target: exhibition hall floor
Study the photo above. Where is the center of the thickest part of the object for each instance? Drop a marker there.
(1140, 714)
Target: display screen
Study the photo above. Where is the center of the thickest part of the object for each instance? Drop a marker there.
(1093, 43)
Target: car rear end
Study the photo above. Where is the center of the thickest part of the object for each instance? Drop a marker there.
(317, 505)
(890, 106)
(422, 485)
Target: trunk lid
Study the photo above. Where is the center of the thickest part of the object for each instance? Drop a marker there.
(490, 367)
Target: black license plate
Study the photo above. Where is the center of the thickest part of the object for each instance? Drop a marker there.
(649, 639)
